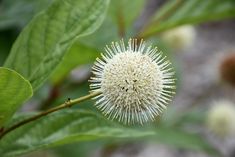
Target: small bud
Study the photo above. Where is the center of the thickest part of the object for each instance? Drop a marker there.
(227, 69)
(179, 37)
(221, 118)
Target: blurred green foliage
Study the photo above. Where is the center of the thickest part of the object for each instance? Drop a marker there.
(80, 125)
(16, 14)
(182, 12)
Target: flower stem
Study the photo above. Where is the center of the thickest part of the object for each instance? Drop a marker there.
(145, 34)
(67, 104)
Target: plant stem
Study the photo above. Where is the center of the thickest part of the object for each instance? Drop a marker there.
(121, 24)
(145, 34)
(67, 104)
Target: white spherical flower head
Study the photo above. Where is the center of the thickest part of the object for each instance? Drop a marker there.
(136, 83)
(221, 118)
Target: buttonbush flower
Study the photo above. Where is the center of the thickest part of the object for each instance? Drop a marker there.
(136, 82)
(180, 37)
(221, 118)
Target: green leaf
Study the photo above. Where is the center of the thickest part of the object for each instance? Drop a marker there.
(19, 12)
(62, 128)
(14, 90)
(193, 116)
(77, 55)
(81, 149)
(182, 139)
(70, 126)
(181, 12)
(45, 40)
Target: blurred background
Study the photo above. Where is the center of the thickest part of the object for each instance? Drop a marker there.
(203, 56)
